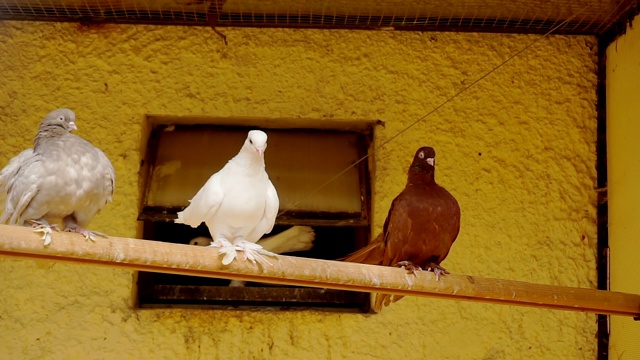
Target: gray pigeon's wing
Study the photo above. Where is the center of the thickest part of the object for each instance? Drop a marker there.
(21, 187)
(109, 174)
(90, 175)
(9, 172)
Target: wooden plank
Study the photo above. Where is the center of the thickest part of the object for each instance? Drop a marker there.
(203, 261)
(289, 217)
(250, 297)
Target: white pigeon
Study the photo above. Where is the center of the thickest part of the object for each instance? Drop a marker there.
(238, 204)
(296, 238)
(62, 177)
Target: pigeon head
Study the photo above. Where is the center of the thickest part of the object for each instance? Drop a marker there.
(201, 241)
(57, 123)
(63, 118)
(256, 141)
(424, 162)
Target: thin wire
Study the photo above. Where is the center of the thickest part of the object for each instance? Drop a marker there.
(448, 100)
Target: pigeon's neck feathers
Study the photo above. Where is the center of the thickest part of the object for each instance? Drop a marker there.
(421, 174)
(249, 160)
(48, 131)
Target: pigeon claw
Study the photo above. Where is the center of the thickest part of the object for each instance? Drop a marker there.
(45, 228)
(227, 250)
(221, 243)
(409, 266)
(251, 251)
(229, 254)
(437, 270)
(88, 235)
(41, 223)
(46, 233)
(254, 252)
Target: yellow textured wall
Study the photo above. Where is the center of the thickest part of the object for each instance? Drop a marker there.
(623, 132)
(517, 151)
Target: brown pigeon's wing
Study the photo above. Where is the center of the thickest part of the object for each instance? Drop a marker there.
(397, 230)
(446, 225)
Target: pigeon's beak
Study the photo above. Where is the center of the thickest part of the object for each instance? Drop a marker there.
(260, 152)
(431, 161)
(72, 126)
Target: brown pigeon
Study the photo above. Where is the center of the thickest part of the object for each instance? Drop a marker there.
(422, 224)
(63, 177)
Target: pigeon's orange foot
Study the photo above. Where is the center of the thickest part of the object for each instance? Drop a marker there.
(437, 270)
(43, 226)
(88, 235)
(409, 266)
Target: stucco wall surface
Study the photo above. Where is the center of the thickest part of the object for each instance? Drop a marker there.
(623, 132)
(517, 150)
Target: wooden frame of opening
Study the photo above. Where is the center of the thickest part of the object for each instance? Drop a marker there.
(169, 290)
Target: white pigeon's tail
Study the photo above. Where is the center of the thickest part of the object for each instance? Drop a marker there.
(297, 238)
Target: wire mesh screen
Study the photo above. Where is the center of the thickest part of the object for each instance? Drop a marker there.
(524, 16)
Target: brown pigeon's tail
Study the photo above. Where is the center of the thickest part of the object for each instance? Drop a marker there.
(383, 300)
(371, 254)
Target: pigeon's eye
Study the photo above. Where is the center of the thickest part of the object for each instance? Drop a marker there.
(60, 118)
(421, 155)
(250, 141)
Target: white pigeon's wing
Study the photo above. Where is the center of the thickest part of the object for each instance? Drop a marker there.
(272, 204)
(271, 208)
(204, 205)
(9, 172)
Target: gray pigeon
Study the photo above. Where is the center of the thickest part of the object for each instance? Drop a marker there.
(238, 204)
(296, 238)
(63, 177)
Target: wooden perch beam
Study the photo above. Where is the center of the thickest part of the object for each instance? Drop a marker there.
(198, 261)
